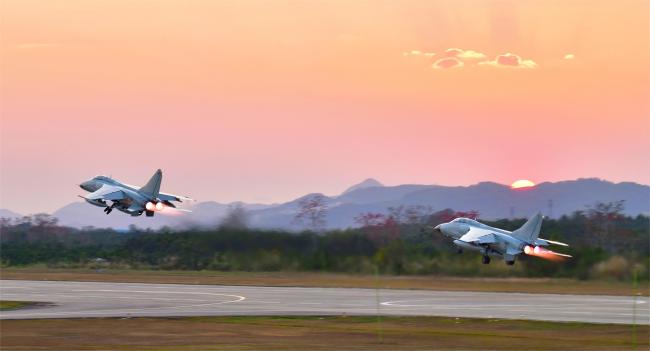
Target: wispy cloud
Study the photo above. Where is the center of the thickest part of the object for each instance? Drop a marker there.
(418, 53)
(448, 62)
(509, 60)
(464, 54)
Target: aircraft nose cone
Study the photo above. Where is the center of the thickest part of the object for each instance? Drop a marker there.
(437, 228)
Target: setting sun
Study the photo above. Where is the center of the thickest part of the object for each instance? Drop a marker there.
(522, 183)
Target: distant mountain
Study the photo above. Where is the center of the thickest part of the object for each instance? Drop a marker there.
(368, 183)
(490, 199)
(81, 214)
(4, 213)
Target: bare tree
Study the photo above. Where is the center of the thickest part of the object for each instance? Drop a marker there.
(312, 213)
(236, 217)
(378, 227)
(601, 220)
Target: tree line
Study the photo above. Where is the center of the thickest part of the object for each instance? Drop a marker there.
(604, 243)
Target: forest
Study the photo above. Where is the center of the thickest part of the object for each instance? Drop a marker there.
(604, 244)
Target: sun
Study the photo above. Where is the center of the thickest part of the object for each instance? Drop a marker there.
(522, 183)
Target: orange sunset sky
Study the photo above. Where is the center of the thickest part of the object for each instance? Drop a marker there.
(264, 101)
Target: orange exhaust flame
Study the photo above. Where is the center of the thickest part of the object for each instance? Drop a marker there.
(541, 252)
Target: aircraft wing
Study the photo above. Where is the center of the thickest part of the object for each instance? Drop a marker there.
(479, 236)
(170, 197)
(106, 192)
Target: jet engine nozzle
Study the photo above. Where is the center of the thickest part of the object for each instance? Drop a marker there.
(158, 206)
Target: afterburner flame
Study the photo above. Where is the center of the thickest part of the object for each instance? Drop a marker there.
(150, 206)
(160, 206)
(541, 252)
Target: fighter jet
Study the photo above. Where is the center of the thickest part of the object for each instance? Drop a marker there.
(128, 198)
(472, 235)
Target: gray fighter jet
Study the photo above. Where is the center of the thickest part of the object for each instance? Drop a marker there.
(128, 198)
(470, 234)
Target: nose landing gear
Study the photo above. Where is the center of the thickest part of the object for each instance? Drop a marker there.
(486, 259)
(108, 209)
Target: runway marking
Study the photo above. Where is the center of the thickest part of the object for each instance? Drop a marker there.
(103, 299)
(238, 298)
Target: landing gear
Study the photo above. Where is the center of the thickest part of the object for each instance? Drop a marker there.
(486, 259)
(109, 209)
(459, 251)
(510, 263)
(149, 213)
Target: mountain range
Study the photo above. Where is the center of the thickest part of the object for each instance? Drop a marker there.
(491, 200)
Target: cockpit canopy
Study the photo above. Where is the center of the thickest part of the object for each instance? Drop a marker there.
(465, 221)
(102, 178)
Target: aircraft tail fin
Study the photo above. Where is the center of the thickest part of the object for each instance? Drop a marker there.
(530, 230)
(152, 188)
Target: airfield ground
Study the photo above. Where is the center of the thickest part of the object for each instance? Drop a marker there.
(316, 333)
(14, 305)
(525, 285)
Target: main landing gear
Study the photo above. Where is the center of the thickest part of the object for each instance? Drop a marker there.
(486, 259)
(108, 209)
(510, 263)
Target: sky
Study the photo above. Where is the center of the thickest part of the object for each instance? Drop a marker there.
(265, 101)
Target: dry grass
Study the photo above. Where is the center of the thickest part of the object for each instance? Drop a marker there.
(546, 285)
(314, 333)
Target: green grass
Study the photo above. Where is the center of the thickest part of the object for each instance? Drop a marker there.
(14, 305)
(315, 333)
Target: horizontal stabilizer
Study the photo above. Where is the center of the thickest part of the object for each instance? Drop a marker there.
(555, 242)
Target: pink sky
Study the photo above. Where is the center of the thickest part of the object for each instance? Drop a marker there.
(266, 101)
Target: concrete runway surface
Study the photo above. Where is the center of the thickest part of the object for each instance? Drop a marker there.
(93, 299)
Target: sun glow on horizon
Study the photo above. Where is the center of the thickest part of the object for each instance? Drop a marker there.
(522, 183)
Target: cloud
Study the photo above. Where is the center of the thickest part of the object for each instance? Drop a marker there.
(455, 57)
(418, 53)
(471, 54)
(464, 54)
(448, 62)
(569, 56)
(509, 60)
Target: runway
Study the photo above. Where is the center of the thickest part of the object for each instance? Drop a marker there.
(93, 299)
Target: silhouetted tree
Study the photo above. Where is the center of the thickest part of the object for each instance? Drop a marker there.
(236, 218)
(312, 213)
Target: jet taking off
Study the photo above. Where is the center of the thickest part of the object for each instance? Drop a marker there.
(128, 198)
(470, 234)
